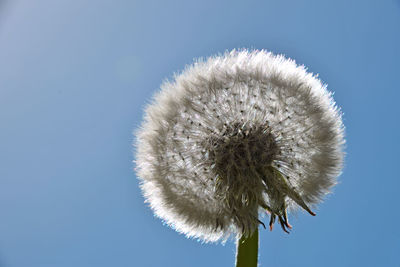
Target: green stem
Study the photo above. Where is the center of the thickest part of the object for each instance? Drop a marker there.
(247, 251)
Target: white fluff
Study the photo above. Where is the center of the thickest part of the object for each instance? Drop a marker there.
(236, 136)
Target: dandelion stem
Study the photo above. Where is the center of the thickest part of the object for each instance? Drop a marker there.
(247, 251)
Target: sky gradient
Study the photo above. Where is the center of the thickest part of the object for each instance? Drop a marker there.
(76, 75)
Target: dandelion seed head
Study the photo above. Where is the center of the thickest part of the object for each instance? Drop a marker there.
(236, 136)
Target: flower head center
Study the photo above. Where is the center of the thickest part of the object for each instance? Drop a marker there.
(242, 149)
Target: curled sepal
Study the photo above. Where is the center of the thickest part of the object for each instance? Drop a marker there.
(278, 189)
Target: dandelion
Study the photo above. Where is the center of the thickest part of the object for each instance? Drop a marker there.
(236, 137)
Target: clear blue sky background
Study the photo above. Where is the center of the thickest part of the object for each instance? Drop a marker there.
(75, 76)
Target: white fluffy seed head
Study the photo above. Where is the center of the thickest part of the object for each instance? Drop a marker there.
(235, 136)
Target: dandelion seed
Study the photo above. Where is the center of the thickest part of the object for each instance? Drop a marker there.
(235, 137)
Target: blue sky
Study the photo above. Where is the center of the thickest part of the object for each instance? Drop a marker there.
(75, 76)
